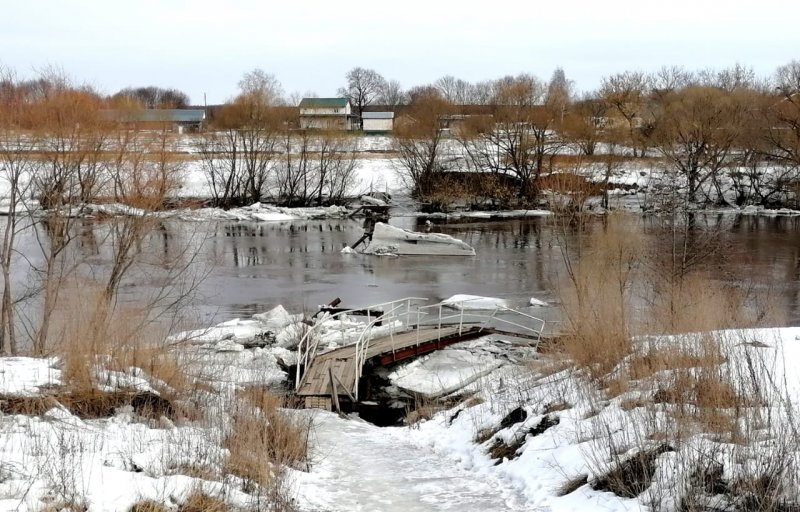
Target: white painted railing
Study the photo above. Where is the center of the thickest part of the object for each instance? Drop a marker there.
(484, 317)
(401, 310)
(410, 315)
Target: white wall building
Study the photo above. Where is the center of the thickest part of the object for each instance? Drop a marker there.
(377, 122)
(326, 114)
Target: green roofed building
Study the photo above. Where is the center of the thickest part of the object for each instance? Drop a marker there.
(327, 114)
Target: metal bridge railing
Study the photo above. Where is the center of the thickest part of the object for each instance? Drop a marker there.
(398, 310)
(404, 311)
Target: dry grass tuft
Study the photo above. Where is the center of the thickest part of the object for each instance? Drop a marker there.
(631, 477)
(96, 338)
(706, 354)
(572, 485)
(201, 502)
(117, 340)
(61, 506)
(596, 294)
(148, 506)
(89, 403)
(263, 439)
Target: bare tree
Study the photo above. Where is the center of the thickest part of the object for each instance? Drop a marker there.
(261, 87)
(423, 93)
(315, 167)
(728, 79)
(696, 131)
(482, 93)
(627, 93)
(455, 90)
(392, 94)
(559, 91)
(419, 141)
(16, 168)
(586, 122)
(526, 116)
(363, 87)
(671, 78)
(784, 133)
(238, 151)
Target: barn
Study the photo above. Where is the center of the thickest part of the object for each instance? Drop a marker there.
(181, 120)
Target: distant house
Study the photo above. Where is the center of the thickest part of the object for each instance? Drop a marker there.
(181, 120)
(326, 114)
(377, 122)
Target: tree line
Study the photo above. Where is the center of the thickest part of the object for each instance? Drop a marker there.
(722, 137)
(717, 136)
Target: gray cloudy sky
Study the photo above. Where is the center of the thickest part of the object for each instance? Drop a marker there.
(205, 46)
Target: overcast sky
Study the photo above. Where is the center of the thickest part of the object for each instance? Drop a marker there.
(204, 46)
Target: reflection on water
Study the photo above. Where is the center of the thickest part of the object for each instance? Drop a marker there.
(300, 264)
(253, 267)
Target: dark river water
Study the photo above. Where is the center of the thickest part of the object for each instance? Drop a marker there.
(300, 265)
(249, 268)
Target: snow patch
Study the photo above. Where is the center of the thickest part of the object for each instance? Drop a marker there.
(443, 372)
(390, 240)
(26, 375)
(277, 318)
(538, 303)
(474, 302)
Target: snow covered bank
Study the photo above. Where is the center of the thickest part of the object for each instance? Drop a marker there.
(478, 214)
(766, 212)
(551, 435)
(389, 240)
(259, 212)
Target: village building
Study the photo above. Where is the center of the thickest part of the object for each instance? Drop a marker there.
(377, 122)
(327, 114)
(179, 120)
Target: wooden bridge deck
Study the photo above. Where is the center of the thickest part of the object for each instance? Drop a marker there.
(338, 367)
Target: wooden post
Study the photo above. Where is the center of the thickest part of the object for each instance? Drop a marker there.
(344, 388)
(334, 392)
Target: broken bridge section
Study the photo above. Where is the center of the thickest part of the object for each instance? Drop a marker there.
(325, 380)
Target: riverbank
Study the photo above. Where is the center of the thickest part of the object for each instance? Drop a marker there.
(512, 429)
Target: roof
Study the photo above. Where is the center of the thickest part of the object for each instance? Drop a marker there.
(377, 115)
(323, 102)
(150, 115)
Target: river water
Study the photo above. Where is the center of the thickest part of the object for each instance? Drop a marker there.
(251, 267)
